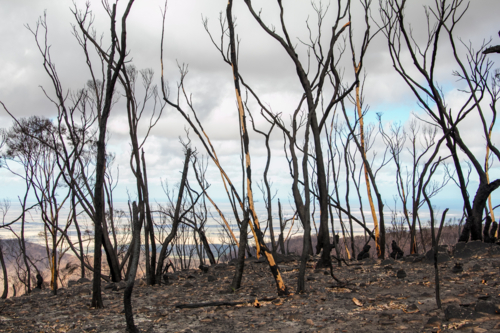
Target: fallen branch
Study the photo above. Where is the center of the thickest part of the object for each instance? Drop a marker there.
(218, 303)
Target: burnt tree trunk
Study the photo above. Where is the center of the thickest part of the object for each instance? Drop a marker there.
(240, 264)
(175, 222)
(473, 224)
(5, 276)
(112, 75)
(261, 245)
(136, 248)
(281, 237)
(206, 246)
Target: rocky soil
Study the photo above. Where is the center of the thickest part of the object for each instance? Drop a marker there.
(379, 295)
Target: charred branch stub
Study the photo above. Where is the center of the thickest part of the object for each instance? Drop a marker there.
(39, 281)
(396, 253)
(365, 253)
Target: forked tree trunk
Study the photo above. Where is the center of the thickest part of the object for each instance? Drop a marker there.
(175, 222)
(113, 70)
(136, 248)
(473, 224)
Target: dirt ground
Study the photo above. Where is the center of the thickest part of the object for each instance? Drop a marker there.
(374, 299)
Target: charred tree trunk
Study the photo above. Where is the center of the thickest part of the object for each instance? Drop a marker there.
(473, 224)
(281, 238)
(5, 276)
(149, 223)
(78, 234)
(127, 294)
(175, 222)
(112, 75)
(261, 245)
(206, 246)
(54, 266)
(240, 265)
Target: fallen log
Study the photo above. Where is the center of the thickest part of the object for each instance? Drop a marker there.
(218, 303)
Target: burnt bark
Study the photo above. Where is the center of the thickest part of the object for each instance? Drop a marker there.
(5, 276)
(175, 222)
(136, 251)
(261, 245)
(113, 70)
(473, 224)
(240, 264)
(206, 246)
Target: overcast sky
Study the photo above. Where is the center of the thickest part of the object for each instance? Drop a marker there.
(263, 63)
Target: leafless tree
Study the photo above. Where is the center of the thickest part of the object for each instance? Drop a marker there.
(177, 217)
(472, 69)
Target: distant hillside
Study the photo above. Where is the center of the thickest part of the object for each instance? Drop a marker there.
(38, 255)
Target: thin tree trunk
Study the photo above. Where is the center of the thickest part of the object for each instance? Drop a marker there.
(175, 222)
(486, 170)
(206, 246)
(22, 241)
(78, 233)
(5, 276)
(240, 264)
(54, 263)
(149, 222)
(281, 239)
(261, 246)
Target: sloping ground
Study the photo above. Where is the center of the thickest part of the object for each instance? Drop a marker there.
(373, 300)
(69, 265)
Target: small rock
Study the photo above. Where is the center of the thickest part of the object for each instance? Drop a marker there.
(71, 283)
(476, 268)
(479, 330)
(484, 297)
(369, 261)
(309, 322)
(458, 268)
(110, 286)
(387, 262)
(412, 308)
(401, 274)
(295, 317)
(457, 312)
(121, 285)
(487, 307)
(442, 256)
(433, 322)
